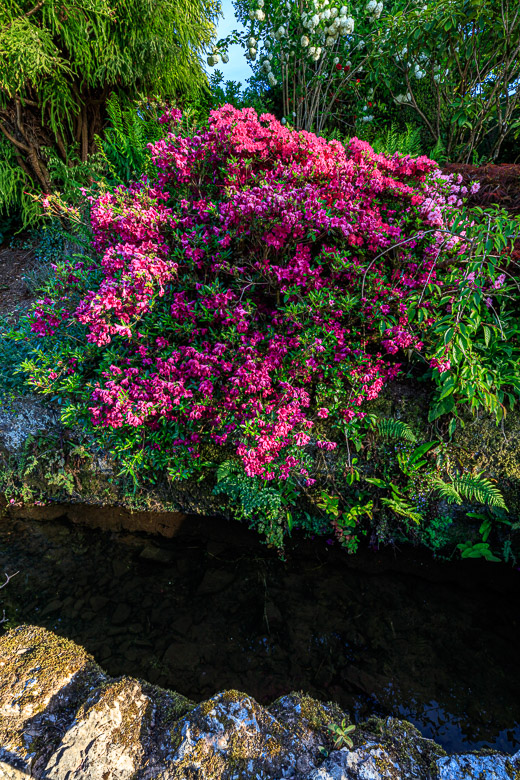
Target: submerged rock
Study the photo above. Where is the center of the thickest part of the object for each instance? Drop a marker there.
(63, 718)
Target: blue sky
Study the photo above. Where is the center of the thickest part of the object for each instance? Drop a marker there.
(237, 69)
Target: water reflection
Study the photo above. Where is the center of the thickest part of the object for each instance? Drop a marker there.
(435, 643)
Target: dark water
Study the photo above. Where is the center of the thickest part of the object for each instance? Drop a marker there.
(211, 609)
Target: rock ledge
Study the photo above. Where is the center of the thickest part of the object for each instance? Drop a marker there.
(62, 717)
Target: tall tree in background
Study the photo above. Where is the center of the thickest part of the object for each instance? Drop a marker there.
(61, 59)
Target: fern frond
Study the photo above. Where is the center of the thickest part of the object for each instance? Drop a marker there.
(480, 490)
(447, 491)
(395, 429)
(225, 470)
(403, 508)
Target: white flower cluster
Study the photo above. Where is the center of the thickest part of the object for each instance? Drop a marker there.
(257, 13)
(403, 98)
(251, 49)
(332, 22)
(214, 58)
(266, 65)
(375, 9)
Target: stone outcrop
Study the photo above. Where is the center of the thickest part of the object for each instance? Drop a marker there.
(63, 718)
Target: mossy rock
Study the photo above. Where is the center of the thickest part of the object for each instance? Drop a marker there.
(44, 679)
(232, 737)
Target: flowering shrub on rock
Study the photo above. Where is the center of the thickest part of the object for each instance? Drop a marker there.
(255, 296)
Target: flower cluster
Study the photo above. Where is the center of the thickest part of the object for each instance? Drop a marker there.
(254, 297)
(297, 45)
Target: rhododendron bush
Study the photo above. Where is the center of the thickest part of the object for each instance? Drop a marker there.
(258, 294)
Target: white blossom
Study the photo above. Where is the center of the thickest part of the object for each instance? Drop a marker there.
(251, 15)
(304, 41)
(335, 61)
(225, 58)
(283, 121)
(251, 42)
(260, 3)
(271, 79)
(259, 15)
(371, 6)
(315, 20)
(326, 14)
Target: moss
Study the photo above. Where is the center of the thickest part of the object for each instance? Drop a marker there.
(512, 771)
(403, 742)
(208, 764)
(136, 711)
(30, 653)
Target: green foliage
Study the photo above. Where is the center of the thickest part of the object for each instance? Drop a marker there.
(132, 125)
(390, 428)
(476, 489)
(17, 207)
(478, 550)
(258, 503)
(412, 141)
(341, 734)
(59, 63)
(481, 352)
(221, 92)
(392, 140)
(346, 523)
(437, 532)
(466, 94)
(417, 485)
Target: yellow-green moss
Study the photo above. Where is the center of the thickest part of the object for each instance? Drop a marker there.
(31, 652)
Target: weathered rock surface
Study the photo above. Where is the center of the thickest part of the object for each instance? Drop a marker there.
(63, 718)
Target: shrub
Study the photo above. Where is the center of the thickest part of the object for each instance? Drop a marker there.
(249, 302)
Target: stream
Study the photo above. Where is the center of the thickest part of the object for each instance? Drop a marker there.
(388, 632)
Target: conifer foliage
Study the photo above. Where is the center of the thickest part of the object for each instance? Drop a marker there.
(61, 59)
